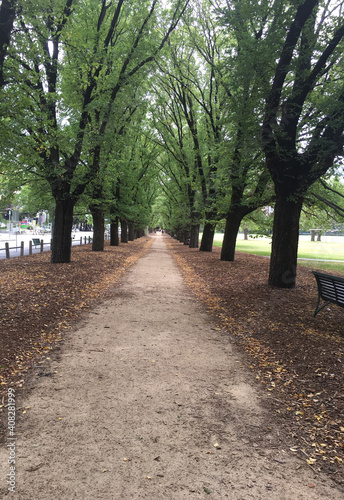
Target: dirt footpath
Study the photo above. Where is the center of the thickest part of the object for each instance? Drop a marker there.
(147, 399)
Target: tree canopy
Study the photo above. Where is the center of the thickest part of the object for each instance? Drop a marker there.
(182, 112)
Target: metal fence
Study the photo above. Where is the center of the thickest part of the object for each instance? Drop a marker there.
(36, 245)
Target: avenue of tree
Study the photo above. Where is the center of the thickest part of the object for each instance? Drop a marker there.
(181, 114)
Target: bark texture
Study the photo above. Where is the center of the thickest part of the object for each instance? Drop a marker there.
(7, 15)
(207, 238)
(285, 240)
(194, 236)
(233, 221)
(114, 236)
(62, 230)
(131, 231)
(98, 229)
(124, 231)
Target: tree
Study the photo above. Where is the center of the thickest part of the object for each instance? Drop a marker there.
(239, 181)
(137, 179)
(7, 16)
(303, 123)
(211, 96)
(125, 187)
(100, 192)
(323, 205)
(188, 120)
(174, 138)
(34, 197)
(174, 210)
(300, 98)
(81, 59)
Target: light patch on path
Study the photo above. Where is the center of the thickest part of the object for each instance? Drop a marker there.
(148, 400)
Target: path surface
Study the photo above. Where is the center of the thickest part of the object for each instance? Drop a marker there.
(132, 406)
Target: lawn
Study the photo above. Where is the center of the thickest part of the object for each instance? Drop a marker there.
(330, 249)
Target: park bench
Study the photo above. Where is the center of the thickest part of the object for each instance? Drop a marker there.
(330, 289)
(36, 241)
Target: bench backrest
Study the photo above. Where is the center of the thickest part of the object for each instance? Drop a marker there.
(330, 287)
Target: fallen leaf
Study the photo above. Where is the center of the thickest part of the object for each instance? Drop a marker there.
(311, 461)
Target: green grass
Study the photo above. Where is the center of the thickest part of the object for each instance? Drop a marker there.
(333, 268)
(322, 250)
(256, 246)
(307, 249)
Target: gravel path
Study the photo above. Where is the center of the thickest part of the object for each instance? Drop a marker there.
(148, 399)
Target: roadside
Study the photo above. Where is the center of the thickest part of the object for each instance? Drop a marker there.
(297, 358)
(25, 236)
(148, 398)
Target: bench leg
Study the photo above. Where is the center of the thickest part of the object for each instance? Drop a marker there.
(318, 309)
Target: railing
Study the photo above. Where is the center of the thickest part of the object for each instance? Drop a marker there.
(7, 249)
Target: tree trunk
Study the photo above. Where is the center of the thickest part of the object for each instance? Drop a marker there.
(182, 236)
(98, 228)
(131, 232)
(114, 237)
(185, 237)
(7, 16)
(207, 238)
(233, 222)
(124, 231)
(194, 236)
(62, 232)
(285, 240)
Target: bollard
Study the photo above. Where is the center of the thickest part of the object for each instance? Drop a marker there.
(22, 249)
(7, 247)
(30, 247)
